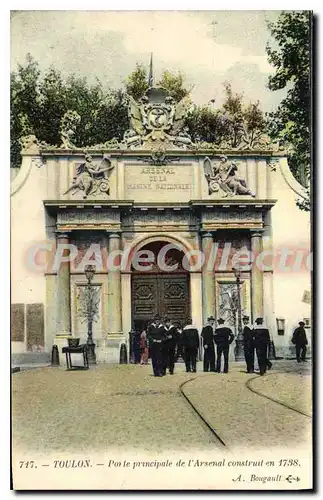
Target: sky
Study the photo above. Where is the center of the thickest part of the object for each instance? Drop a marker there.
(208, 47)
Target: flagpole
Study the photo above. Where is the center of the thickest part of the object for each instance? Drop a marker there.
(151, 73)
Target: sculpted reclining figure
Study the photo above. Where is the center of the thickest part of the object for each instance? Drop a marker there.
(224, 176)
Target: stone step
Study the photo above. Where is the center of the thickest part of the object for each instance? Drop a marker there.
(28, 358)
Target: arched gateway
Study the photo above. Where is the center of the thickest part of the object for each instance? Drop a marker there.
(161, 285)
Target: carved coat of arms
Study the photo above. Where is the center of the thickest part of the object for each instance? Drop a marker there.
(157, 119)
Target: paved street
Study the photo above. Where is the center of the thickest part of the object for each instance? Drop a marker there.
(124, 406)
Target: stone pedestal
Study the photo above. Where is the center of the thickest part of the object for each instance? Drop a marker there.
(114, 287)
(108, 349)
(257, 307)
(208, 281)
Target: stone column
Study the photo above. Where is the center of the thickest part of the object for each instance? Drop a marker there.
(126, 302)
(256, 277)
(114, 287)
(269, 314)
(208, 285)
(63, 290)
(196, 304)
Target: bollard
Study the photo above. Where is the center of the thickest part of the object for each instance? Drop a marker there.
(123, 355)
(55, 356)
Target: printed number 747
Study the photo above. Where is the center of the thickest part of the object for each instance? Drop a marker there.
(29, 464)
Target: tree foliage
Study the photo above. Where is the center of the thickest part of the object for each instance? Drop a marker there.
(39, 103)
(137, 82)
(291, 58)
(229, 125)
(175, 84)
(25, 105)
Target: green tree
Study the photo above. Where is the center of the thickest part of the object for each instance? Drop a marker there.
(290, 54)
(24, 105)
(229, 125)
(52, 98)
(137, 82)
(174, 83)
(38, 104)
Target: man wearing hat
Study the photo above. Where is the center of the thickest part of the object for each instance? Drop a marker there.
(249, 348)
(170, 345)
(223, 337)
(157, 336)
(261, 342)
(191, 342)
(208, 345)
(300, 341)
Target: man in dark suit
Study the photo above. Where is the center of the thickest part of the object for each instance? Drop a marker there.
(191, 341)
(300, 341)
(261, 339)
(223, 337)
(208, 345)
(179, 347)
(249, 348)
(156, 336)
(170, 345)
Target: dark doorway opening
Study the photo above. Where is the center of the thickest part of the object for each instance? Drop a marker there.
(158, 292)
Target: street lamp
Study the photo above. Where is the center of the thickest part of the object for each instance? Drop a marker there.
(239, 349)
(89, 271)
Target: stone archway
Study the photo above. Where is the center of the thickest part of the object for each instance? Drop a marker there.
(193, 279)
(160, 287)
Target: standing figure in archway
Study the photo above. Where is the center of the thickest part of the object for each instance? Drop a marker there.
(191, 344)
(144, 348)
(248, 345)
(208, 345)
(223, 337)
(136, 346)
(156, 335)
(170, 345)
(261, 342)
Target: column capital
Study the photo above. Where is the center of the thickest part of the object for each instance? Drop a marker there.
(206, 234)
(113, 234)
(256, 232)
(62, 234)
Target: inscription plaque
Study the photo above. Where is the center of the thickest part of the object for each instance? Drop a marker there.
(35, 327)
(17, 322)
(158, 183)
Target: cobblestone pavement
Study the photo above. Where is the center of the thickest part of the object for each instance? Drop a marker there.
(126, 407)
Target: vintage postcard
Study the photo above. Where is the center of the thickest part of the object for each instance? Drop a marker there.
(161, 332)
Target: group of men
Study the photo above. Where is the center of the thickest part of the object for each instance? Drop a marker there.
(254, 339)
(164, 338)
(222, 337)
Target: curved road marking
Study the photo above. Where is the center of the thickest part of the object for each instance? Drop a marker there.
(247, 384)
(198, 413)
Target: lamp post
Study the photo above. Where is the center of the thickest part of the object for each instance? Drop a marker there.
(90, 309)
(239, 350)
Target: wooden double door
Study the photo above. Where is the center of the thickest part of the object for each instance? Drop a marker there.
(163, 294)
